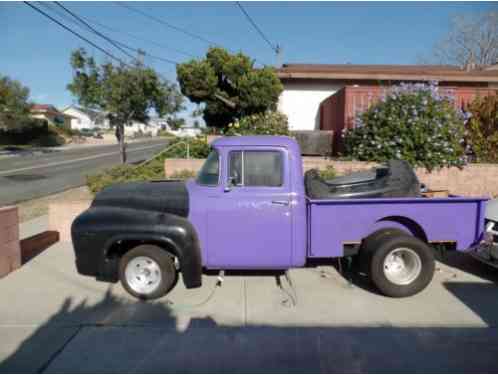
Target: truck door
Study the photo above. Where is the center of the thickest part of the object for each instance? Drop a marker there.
(251, 225)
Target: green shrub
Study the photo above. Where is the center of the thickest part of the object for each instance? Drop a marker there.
(328, 173)
(125, 173)
(267, 123)
(184, 174)
(165, 133)
(177, 148)
(152, 169)
(413, 122)
(483, 128)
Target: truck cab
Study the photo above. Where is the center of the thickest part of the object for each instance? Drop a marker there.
(249, 205)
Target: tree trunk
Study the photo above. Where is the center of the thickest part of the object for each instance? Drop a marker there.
(121, 139)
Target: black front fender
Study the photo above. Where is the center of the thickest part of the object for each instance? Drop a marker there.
(96, 231)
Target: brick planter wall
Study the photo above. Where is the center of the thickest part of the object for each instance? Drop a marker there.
(10, 251)
(62, 214)
(473, 180)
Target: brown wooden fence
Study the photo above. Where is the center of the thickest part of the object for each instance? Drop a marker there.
(339, 110)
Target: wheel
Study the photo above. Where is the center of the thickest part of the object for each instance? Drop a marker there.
(371, 244)
(402, 266)
(147, 272)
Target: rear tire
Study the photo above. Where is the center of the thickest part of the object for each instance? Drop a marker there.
(372, 243)
(402, 266)
(147, 272)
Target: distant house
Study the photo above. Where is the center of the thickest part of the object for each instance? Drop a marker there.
(51, 114)
(83, 118)
(153, 127)
(343, 90)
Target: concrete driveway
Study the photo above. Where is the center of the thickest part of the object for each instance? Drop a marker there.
(53, 320)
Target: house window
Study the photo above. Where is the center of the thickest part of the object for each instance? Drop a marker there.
(255, 168)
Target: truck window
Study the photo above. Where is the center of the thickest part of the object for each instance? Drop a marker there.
(235, 168)
(255, 168)
(210, 171)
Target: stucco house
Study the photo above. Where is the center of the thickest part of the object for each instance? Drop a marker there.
(51, 114)
(328, 97)
(83, 118)
(153, 127)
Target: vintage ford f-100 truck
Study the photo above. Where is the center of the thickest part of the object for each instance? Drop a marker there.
(251, 208)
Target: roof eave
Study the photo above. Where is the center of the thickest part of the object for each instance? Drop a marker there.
(384, 77)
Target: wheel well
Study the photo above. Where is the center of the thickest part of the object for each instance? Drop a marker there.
(413, 227)
(121, 247)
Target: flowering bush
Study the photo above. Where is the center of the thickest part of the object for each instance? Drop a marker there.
(483, 128)
(267, 123)
(414, 122)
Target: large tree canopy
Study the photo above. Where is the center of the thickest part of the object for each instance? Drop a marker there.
(14, 104)
(125, 93)
(229, 86)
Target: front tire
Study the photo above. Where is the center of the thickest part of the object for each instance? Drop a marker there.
(147, 272)
(402, 266)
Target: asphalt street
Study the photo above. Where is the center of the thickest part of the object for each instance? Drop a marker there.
(37, 174)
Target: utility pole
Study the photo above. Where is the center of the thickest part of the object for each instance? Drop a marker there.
(141, 56)
(279, 53)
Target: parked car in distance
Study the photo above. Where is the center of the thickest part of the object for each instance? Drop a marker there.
(249, 209)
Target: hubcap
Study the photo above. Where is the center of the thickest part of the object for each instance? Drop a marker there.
(402, 266)
(143, 275)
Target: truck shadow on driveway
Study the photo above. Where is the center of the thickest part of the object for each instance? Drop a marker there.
(118, 335)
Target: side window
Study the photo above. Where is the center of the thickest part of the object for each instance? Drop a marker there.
(256, 168)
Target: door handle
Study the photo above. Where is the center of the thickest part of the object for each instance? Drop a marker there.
(281, 203)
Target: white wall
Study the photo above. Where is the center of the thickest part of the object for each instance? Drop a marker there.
(300, 101)
(83, 121)
(135, 127)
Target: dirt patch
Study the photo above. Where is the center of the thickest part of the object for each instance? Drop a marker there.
(38, 207)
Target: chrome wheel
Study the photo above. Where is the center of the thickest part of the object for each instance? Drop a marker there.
(402, 266)
(143, 275)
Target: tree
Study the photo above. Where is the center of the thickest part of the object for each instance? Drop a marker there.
(124, 93)
(14, 103)
(471, 43)
(229, 86)
(176, 123)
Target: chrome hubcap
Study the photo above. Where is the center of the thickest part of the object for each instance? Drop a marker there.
(402, 266)
(143, 275)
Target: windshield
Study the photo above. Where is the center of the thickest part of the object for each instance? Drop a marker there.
(210, 171)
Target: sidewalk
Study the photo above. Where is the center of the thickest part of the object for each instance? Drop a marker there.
(54, 320)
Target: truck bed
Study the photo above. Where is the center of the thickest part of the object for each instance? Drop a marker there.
(453, 219)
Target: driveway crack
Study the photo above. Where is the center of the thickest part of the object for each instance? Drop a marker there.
(59, 351)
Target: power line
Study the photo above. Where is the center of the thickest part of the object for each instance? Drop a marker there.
(167, 24)
(276, 48)
(76, 33)
(115, 43)
(98, 33)
(161, 45)
(138, 50)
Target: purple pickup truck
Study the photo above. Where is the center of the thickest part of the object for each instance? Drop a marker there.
(252, 208)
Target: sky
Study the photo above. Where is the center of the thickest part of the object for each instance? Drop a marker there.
(36, 51)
